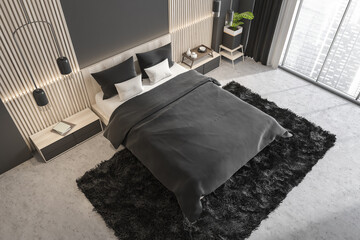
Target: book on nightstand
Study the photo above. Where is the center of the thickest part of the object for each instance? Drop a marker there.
(62, 128)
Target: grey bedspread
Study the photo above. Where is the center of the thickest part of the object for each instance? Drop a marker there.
(192, 135)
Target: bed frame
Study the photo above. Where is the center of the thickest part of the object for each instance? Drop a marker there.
(93, 87)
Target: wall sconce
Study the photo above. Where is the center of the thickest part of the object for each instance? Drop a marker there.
(216, 8)
(62, 61)
(229, 15)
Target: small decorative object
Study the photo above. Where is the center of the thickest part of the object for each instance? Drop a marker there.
(62, 128)
(232, 33)
(202, 49)
(196, 55)
(188, 53)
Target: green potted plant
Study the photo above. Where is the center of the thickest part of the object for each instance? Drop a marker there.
(232, 33)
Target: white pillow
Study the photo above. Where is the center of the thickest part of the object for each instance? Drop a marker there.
(130, 88)
(158, 71)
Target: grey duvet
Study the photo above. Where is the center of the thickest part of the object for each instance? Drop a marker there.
(192, 135)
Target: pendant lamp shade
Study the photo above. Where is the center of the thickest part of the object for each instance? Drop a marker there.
(40, 97)
(64, 65)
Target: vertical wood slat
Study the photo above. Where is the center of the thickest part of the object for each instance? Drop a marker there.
(67, 94)
(190, 24)
(10, 86)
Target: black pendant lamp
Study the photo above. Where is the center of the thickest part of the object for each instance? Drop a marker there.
(40, 97)
(62, 61)
(64, 65)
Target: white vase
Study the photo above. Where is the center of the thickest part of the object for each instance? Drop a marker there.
(188, 52)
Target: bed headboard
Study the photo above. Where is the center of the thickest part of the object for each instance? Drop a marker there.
(93, 87)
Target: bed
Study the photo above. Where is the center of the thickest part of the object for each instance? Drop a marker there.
(190, 133)
(108, 106)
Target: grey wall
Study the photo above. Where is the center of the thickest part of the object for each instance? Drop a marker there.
(13, 149)
(100, 29)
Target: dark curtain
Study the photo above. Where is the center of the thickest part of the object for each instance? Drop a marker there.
(266, 13)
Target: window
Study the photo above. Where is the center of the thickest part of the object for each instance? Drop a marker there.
(324, 44)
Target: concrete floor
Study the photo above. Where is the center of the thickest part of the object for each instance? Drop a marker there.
(41, 201)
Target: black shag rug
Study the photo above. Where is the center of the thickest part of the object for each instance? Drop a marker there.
(138, 206)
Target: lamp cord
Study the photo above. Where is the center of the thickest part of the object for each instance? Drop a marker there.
(28, 22)
(26, 15)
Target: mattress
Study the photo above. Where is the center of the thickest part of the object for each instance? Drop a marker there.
(108, 106)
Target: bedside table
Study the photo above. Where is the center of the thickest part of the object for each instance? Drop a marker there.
(205, 64)
(50, 144)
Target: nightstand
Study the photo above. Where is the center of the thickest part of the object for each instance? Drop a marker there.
(50, 144)
(204, 64)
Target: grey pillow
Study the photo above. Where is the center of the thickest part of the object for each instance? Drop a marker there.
(153, 57)
(117, 74)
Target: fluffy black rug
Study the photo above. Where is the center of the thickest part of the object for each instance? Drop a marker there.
(137, 206)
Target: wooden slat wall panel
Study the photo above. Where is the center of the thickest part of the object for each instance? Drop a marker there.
(190, 24)
(67, 94)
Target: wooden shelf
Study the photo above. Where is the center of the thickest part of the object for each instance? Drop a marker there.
(232, 57)
(230, 50)
(232, 54)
